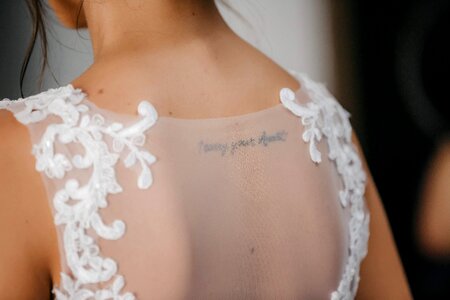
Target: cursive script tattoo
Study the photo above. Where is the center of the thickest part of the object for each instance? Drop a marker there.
(263, 139)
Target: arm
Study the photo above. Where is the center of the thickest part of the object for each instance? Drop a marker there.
(433, 226)
(382, 274)
(26, 229)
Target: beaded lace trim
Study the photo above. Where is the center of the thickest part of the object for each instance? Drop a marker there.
(77, 126)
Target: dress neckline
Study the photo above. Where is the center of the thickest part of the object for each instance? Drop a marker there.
(193, 121)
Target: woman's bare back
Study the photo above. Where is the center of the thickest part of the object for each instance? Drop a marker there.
(189, 92)
(218, 77)
(195, 212)
(243, 198)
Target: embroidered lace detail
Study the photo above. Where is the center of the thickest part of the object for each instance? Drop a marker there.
(77, 126)
(77, 206)
(324, 116)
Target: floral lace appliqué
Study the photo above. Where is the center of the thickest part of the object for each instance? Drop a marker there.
(323, 116)
(77, 206)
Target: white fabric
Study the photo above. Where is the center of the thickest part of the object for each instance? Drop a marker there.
(264, 205)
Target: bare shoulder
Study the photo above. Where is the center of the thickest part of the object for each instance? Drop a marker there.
(218, 78)
(25, 220)
(382, 273)
(271, 71)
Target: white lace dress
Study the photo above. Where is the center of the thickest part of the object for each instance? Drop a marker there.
(263, 205)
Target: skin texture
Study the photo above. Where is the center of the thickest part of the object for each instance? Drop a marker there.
(433, 227)
(382, 274)
(67, 12)
(184, 58)
(27, 235)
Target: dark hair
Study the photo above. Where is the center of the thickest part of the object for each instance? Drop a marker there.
(38, 11)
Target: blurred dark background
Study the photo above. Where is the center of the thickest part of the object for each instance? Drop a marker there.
(403, 57)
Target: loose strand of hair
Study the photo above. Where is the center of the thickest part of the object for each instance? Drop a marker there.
(38, 15)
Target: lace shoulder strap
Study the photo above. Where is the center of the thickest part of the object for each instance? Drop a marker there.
(37, 107)
(324, 117)
(71, 136)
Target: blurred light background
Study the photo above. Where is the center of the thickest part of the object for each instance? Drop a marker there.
(387, 62)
